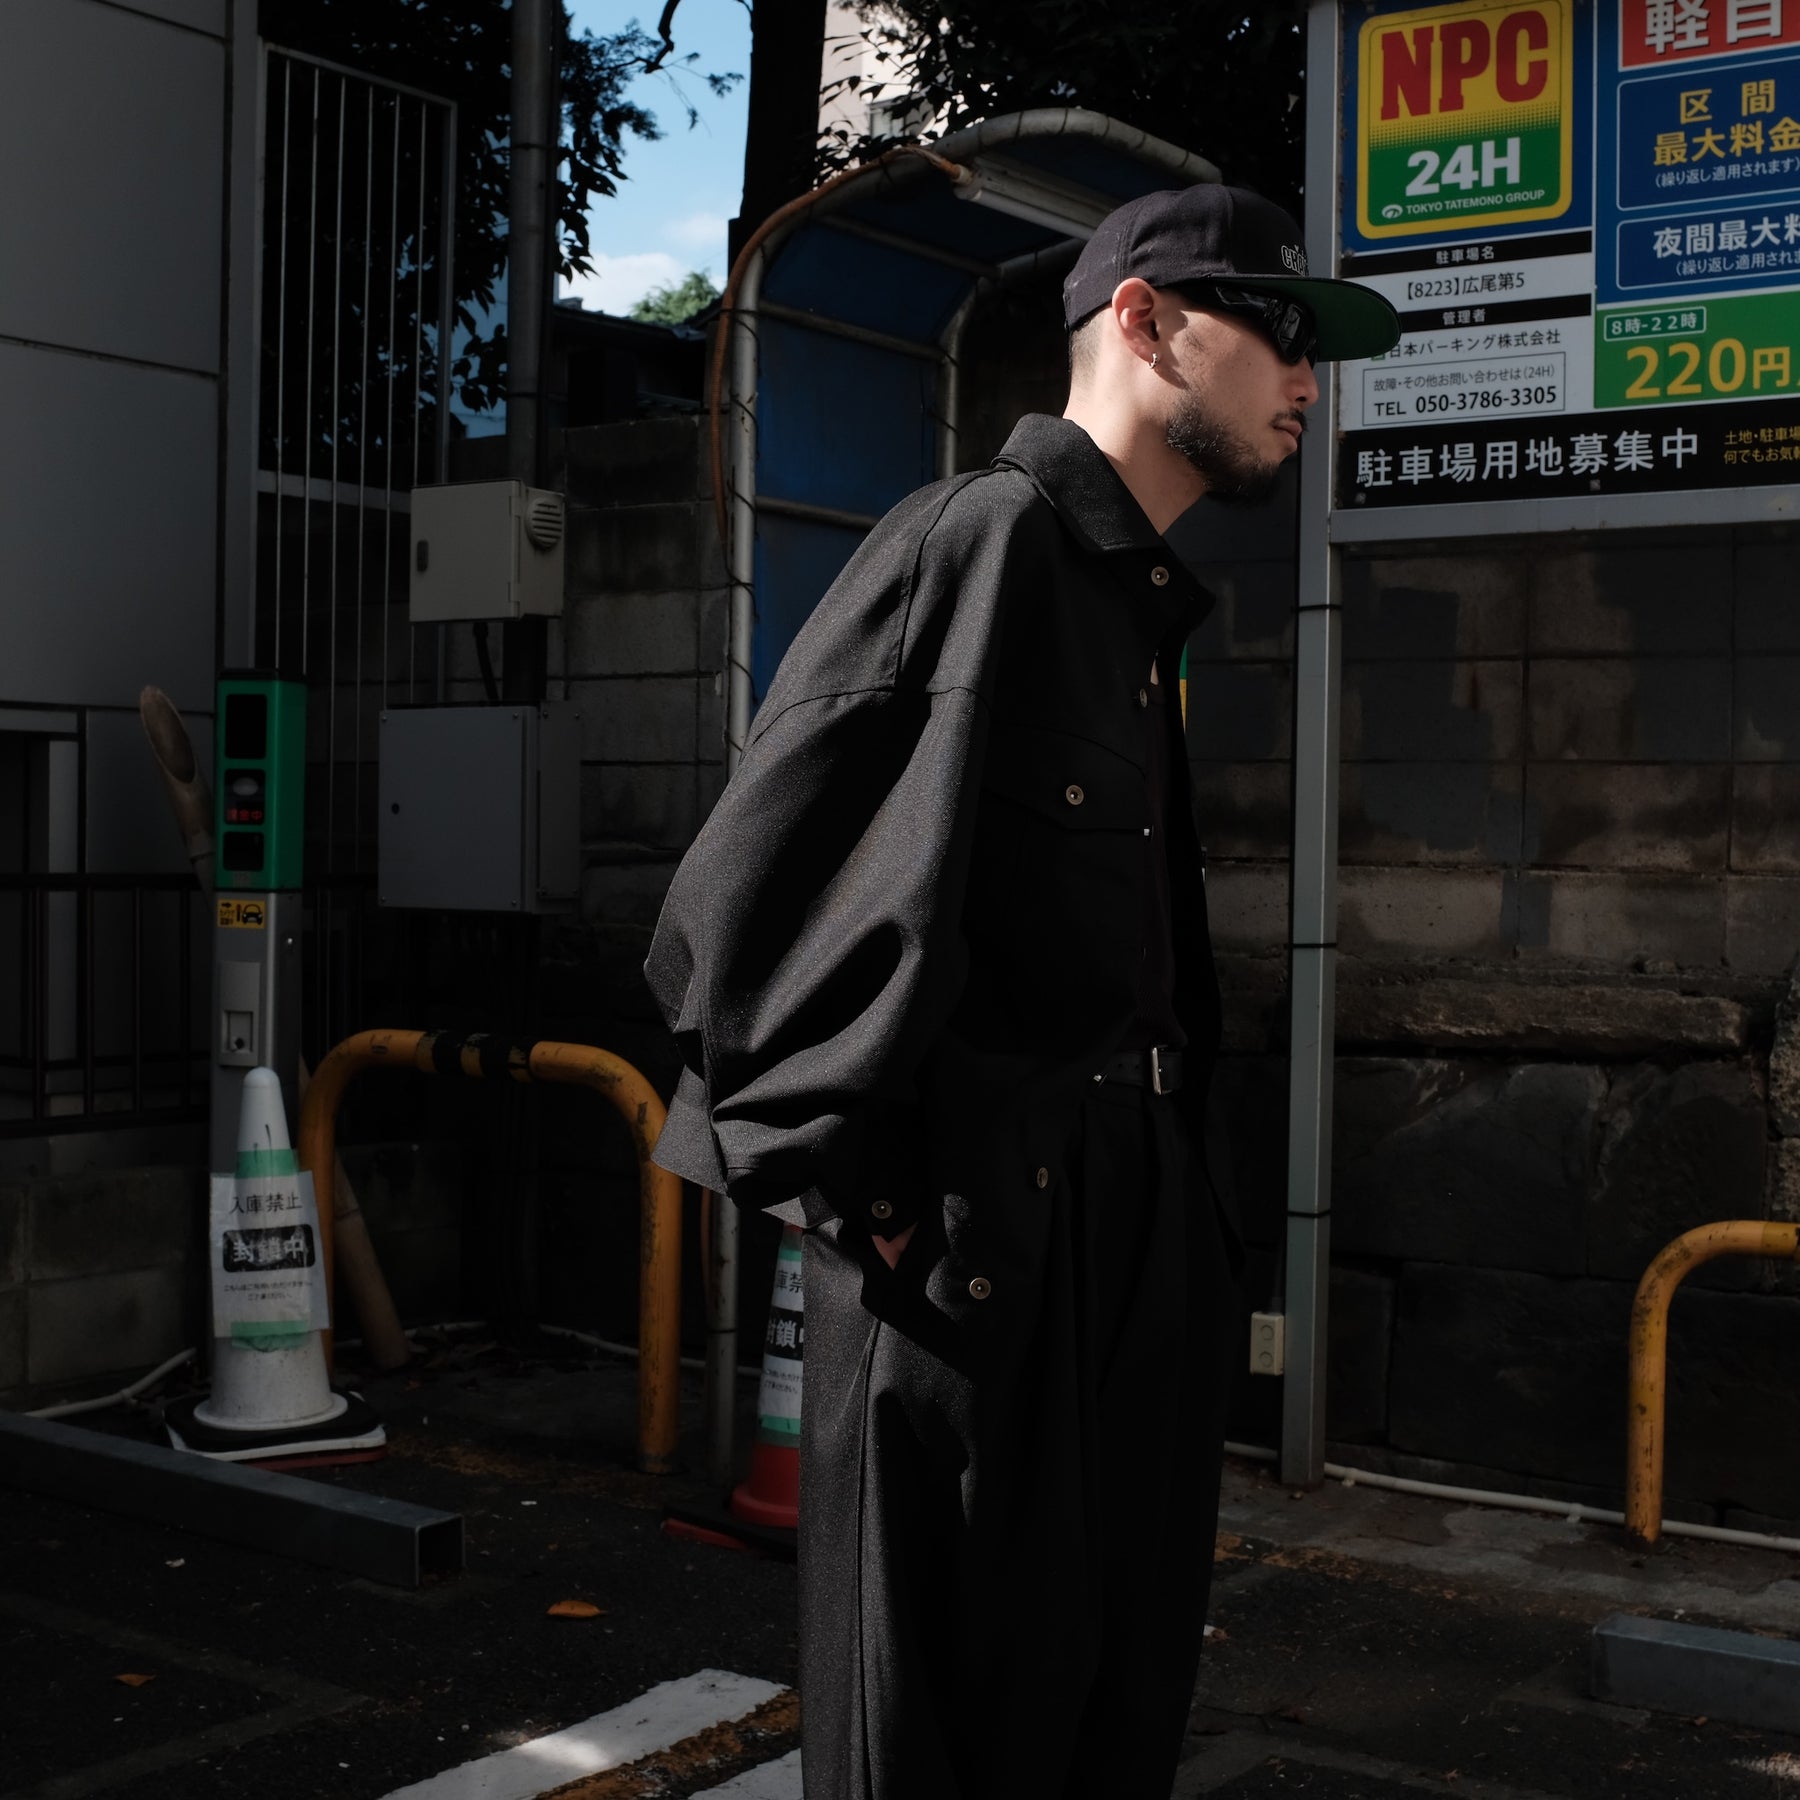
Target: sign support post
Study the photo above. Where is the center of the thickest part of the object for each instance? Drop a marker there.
(1312, 910)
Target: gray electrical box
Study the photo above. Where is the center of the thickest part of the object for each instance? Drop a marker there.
(485, 550)
(480, 807)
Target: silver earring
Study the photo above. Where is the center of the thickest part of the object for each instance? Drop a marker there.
(1153, 359)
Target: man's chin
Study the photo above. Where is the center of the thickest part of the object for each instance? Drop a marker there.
(1247, 486)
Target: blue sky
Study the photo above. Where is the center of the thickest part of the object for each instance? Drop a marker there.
(680, 192)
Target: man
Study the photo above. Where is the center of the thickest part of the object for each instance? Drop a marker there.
(939, 971)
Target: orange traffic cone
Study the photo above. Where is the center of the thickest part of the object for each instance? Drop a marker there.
(772, 1494)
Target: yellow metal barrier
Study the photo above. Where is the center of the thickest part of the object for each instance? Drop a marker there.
(659, 1192)
(1645, 1426)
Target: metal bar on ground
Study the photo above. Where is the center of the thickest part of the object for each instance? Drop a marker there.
(391, 1541)
(1696, 1671)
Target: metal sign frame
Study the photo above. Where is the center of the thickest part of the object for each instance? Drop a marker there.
(1312, 934)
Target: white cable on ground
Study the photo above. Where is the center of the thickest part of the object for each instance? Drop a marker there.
(125, 1394)
(1572, 1510)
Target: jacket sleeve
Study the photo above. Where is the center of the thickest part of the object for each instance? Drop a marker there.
(811, 948)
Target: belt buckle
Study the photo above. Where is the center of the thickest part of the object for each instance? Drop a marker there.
(1156, 1073)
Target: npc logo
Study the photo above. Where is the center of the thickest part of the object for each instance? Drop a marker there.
(1294, 257)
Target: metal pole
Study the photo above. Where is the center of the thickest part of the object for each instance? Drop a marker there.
(721, 1342)
(738, 347)
(1312, 927)
(949, 385)
(528, 228)
(240, 328)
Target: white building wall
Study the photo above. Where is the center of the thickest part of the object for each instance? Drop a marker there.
(113, 121)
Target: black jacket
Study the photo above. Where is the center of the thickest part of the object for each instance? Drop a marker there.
(911, 931)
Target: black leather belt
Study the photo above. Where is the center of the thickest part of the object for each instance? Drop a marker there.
(1158, 1069)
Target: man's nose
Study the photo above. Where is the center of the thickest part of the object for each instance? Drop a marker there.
(1304, 388)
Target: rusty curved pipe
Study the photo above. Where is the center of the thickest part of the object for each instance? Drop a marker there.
(659, 1192)
(659, 1238)
(1645, 1431)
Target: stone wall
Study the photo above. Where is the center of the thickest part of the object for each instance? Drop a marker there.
(1569, 903)
(102, 1270)
(642, 646)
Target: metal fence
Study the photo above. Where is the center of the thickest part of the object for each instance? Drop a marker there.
(358, 310)
(102, 1024)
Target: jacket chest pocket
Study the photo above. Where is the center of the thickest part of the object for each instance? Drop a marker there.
(1065, 820)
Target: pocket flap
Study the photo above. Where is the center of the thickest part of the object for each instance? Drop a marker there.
(1068, 780)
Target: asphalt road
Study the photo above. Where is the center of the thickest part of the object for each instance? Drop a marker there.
(1365, 1647)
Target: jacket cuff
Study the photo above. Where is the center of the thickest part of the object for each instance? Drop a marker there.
(686, 1146)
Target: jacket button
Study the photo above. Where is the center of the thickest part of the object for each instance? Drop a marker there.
(1073, 794)
(980, 1288)
(1159, 576)
(1143, 697)
(882, 1209)
(1043, 1178)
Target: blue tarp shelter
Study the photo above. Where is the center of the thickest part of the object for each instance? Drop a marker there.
(843, 379)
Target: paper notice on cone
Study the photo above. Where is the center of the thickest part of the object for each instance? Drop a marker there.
(268, 1282)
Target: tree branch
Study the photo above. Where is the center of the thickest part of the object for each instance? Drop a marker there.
(664, 30)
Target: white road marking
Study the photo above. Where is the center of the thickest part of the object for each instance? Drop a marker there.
(777, 1780)
(653, 1721)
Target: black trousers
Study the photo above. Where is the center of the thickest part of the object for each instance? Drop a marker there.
(1007, 1515)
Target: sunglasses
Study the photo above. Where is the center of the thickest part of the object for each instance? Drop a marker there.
(1287, 324)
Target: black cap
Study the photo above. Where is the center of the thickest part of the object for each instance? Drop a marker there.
(1209, 232)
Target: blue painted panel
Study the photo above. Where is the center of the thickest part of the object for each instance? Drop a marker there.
(796, 561)
(839, 423)
(931, 213)
(866, 284)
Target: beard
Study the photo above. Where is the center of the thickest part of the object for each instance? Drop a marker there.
(1233, 472)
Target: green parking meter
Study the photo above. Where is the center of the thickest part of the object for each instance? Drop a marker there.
(260, 774)
(259, 788)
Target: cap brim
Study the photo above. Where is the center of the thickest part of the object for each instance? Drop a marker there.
(1353, 320)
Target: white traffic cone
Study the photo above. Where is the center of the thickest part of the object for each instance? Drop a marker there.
(271, 1395)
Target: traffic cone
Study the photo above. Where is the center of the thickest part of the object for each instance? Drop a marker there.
(772, 1494)
(271, 1398)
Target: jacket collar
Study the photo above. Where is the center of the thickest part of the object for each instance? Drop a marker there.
(1066, 466)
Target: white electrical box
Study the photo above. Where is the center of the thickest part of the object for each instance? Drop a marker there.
(485, 550)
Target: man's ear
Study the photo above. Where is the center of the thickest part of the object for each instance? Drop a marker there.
(1134, 317)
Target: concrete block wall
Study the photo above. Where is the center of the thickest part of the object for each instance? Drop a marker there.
(1557, 755)
(101, 1277)
(641, 646)
(1570, 899)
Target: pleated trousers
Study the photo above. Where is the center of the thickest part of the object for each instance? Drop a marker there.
(1009, 1500)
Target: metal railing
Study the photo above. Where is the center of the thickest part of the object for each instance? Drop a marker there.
(103, 1025)
(481, 1056)
(355, 396)
(358, 298)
